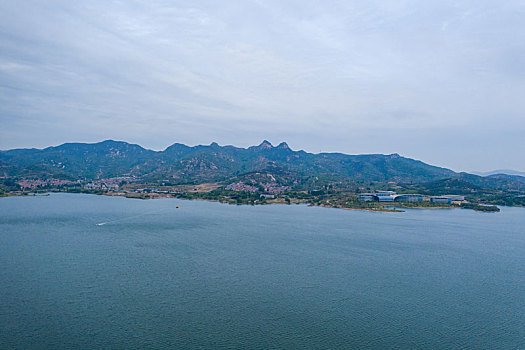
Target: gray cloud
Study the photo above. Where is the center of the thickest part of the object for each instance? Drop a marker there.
(441, 81)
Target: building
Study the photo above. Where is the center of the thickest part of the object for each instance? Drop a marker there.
(379, 196)
(367, 197)
(391, 196)
(441, 199)
(385, 196)
(409, 198)
(448, 199)
(386, 192)
(454, 197)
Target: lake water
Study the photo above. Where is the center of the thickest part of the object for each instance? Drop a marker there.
(85, 271)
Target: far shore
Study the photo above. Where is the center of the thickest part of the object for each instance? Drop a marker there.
(383, 209)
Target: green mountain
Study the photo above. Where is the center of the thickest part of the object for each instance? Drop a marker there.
(74, 160)
(513, 178)
(500, 181)
(209, 163)
(213, 162)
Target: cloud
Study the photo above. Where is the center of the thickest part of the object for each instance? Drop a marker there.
(157, 72)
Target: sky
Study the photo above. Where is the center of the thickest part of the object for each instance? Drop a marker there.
(440, 81)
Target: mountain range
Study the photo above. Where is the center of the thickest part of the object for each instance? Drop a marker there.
(180, 163)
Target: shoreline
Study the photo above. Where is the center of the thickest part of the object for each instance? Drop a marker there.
(396, 209)
(378, 210)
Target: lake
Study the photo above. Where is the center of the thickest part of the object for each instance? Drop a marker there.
(86, 271)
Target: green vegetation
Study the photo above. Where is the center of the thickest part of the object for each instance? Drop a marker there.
(478, 207)
(8, 186)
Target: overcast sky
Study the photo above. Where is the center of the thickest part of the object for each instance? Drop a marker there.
(441, 81)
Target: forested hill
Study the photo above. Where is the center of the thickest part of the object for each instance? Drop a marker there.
(180, 163)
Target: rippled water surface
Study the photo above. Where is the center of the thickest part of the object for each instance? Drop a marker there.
(83, 271)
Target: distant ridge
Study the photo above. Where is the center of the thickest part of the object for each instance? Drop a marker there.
(499, 171)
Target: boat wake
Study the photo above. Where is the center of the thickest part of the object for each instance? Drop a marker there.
(134, 216)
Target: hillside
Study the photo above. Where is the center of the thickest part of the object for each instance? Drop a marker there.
(512, 178)
(182, 164)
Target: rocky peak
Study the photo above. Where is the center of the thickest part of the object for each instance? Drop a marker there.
(283, 145)
(264, 145)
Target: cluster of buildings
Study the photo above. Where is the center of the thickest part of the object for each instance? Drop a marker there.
(275, 188)
(239, 186)
(111, 184)
(34, 184)
(269, 188)
(391, 196)
(101, 185)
